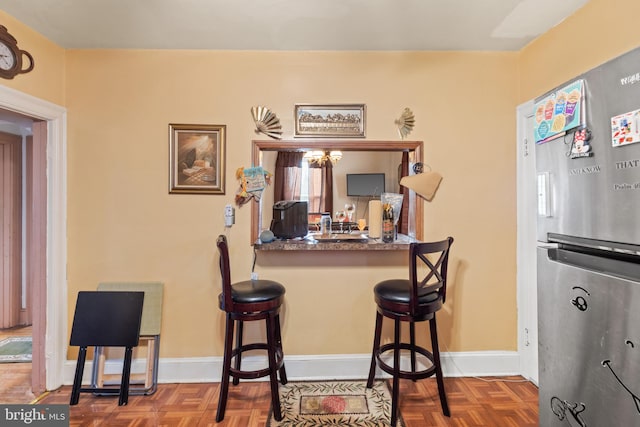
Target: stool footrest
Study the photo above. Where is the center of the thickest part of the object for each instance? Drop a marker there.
(258, 373)
(417, 375)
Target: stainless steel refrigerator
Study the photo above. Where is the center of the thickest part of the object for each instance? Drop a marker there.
(588, 172)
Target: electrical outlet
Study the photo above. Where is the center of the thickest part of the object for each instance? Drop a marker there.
(229, 216)
(254, 276)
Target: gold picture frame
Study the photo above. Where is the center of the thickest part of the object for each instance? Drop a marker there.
(332, 120)
(197, 158)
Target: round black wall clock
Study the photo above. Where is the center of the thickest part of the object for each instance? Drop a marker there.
(11, 56)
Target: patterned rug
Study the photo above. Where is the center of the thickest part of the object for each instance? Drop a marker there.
(334, 403)
(15, 349)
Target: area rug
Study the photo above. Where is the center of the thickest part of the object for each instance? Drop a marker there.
(15, 349)
(334, 403)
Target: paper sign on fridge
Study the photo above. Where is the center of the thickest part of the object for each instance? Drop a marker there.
(559, 112)
(625, 128)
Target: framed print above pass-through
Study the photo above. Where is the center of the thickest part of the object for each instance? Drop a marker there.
(338, 120)
(196, 158)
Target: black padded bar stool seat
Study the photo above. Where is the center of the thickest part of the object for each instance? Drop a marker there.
(250, 300)
(256, 291)
(412, 300)
(399, 291)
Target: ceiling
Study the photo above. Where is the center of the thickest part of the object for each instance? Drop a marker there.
(489, 25)
(367, 25)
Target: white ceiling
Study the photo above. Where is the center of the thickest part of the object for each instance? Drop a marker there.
(494, 25)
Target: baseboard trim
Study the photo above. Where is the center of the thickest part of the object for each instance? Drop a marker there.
(310, 367)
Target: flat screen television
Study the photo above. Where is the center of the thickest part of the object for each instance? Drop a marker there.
(365, 184)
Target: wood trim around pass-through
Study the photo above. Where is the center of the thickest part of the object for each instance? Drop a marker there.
(415, 149)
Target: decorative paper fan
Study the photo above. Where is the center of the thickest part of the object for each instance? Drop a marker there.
(266, 122)
(405, 123)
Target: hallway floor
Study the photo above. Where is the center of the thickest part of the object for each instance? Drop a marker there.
(15, 377)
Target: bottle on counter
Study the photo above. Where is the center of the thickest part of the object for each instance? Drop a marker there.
(325, 223)
(388, 231)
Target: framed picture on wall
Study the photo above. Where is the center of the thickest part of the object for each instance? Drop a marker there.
(197, 158)
(338, 120)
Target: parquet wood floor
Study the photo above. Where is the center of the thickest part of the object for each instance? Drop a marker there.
(486, 402)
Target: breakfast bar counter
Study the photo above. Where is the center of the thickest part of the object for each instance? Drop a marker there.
(336, 242)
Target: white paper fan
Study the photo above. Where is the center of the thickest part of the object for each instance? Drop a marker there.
(405, 123)
(266, 122)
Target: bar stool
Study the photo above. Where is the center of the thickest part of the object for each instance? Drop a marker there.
(147, 382)
(249, 301)
(413, 300)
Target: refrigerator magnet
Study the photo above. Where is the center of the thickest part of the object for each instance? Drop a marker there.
(580, 146)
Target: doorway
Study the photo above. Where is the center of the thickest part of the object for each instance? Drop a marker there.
(23, 251)
(46, 238)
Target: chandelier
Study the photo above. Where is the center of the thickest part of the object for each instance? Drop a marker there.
(320, 157)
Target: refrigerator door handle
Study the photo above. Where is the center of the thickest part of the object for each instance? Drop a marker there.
(610, 266)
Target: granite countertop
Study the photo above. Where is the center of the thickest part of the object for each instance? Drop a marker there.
(336, 242)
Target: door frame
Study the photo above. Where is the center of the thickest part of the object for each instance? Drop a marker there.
(53, 291)
(526, 244)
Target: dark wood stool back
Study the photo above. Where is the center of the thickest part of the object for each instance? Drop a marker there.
(249, 301)
(416, 299)
(108, 319)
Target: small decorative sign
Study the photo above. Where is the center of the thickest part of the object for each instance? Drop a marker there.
(253, 181)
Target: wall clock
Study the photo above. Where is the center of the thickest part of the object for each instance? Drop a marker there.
(11, 56)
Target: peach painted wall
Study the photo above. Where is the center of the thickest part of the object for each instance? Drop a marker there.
(123, 224)
(600, 31)
(47, 79)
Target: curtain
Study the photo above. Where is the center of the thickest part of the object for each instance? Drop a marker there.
(403, 219)
(288, 176)
(321, 187)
